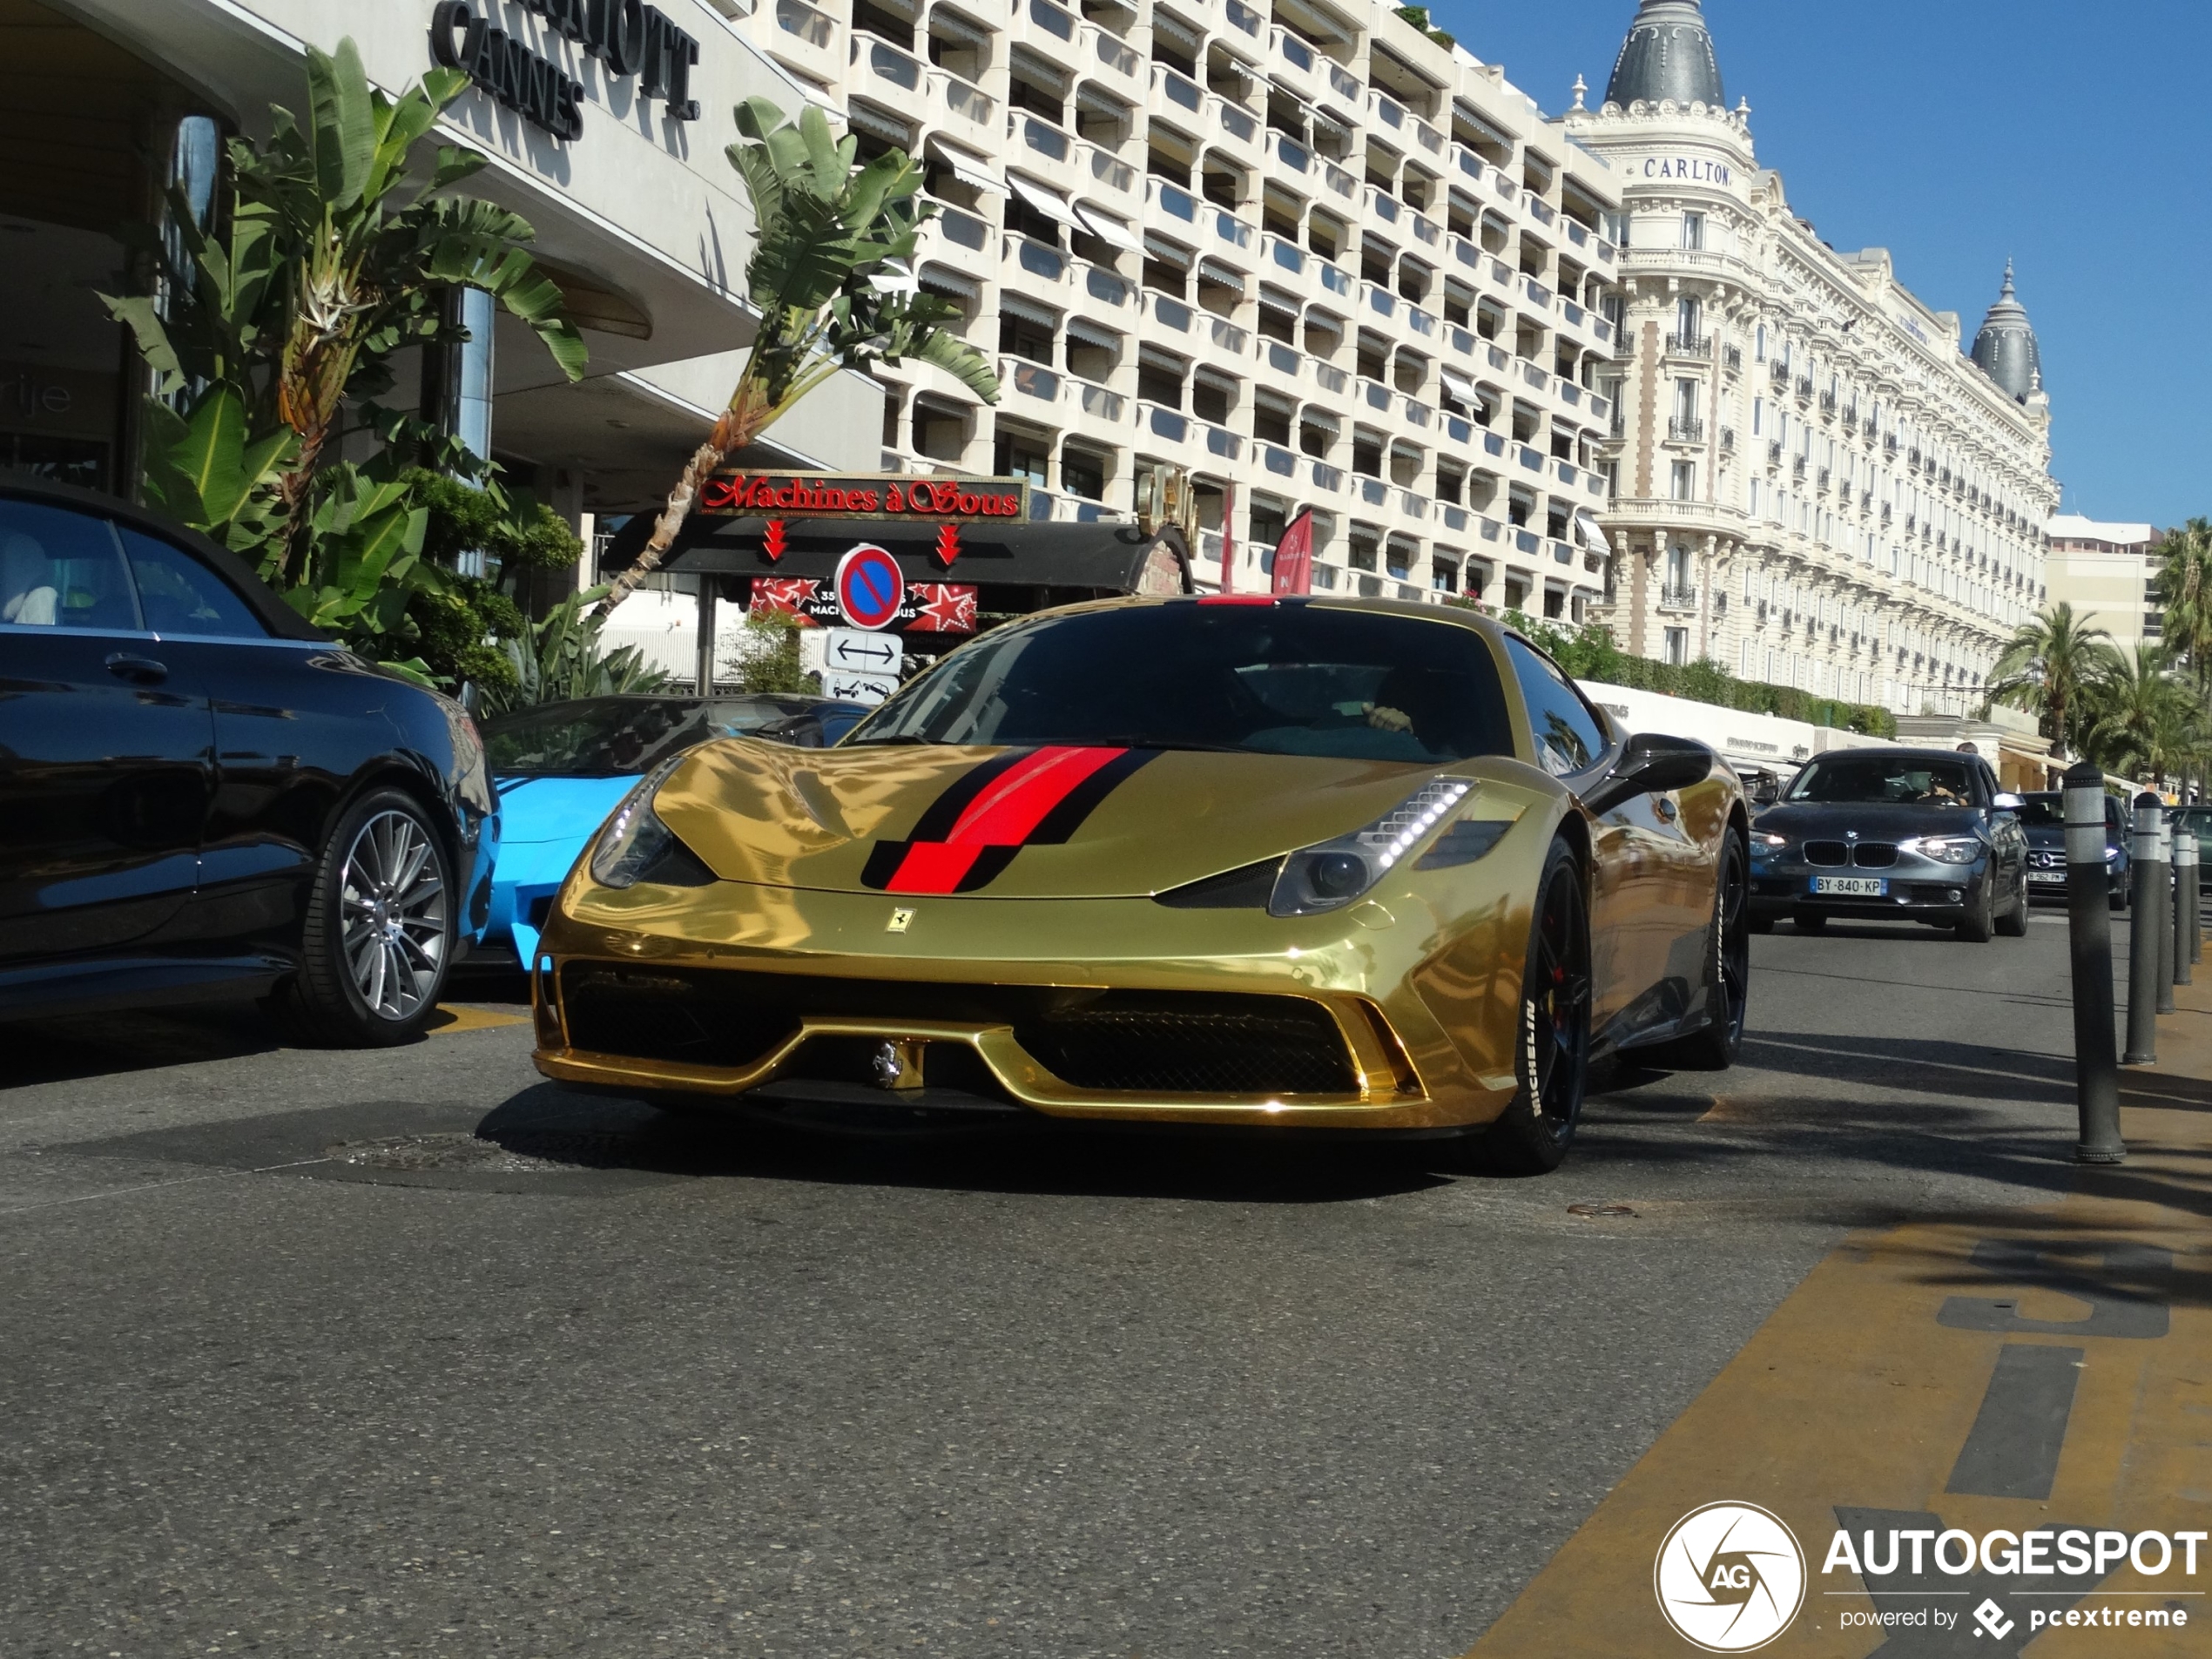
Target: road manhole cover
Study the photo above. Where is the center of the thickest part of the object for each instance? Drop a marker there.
(1599, 1210)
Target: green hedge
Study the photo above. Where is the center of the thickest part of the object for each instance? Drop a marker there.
(1588, 653)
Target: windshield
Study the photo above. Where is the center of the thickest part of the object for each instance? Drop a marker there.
(1293, 679)
(2046, 809)
(614, 736)
(1893, 781)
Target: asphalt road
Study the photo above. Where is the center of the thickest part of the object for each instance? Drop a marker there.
(412, 1353)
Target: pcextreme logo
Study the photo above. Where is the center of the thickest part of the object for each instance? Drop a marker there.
(1730, 1577)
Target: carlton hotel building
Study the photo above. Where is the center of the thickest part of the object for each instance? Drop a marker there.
(1308, 256)
(1813, 485)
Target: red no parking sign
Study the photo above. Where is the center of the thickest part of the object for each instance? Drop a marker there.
(869, 588)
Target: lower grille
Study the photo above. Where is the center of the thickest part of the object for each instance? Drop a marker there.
(666, 1013)
(1121, 1041)
(1196, 1045)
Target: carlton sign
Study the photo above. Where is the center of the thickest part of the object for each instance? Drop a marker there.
(794, 494)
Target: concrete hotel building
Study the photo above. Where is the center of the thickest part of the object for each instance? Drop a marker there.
(1309, 256)
(105, 103)
(1815, 487)
(2106, 572)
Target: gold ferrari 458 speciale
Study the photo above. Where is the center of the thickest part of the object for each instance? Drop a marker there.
(1336, 865)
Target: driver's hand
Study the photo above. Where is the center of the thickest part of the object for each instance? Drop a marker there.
(1384, 718)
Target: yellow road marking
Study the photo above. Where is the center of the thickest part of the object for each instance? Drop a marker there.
(457, 1016)
(1853, 1394)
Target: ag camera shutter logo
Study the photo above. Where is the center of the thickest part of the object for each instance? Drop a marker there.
(1730, 1577)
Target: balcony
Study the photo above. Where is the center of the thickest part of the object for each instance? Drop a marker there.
(1172, 92)
(1031, 382)
(806, 38)
(1689, 346)
(1727, 439)
(1685, 429)
(1113, 52)
(1108, 168)
(974, 111)
(887, 72)
(1296, 63)
(1774, 453)
(1677, 598)
(1732, 359)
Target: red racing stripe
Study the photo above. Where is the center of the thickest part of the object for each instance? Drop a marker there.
(1004, 815)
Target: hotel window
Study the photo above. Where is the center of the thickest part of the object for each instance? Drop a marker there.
(1759, 347)
(1685, 480)
(1083, 473)
(1744, 660)
(1693, 231)
(1758, 417)
(1678, 646)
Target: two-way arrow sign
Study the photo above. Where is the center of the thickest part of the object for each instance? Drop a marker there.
(860, 650)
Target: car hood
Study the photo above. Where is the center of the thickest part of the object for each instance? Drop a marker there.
(1874, 823)
(534, 810)
(1017, 823)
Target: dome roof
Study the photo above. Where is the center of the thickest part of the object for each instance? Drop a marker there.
(1667, 55)
(2005, 348)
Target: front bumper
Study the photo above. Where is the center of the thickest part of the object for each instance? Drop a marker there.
(1912, 889)
(1426, 1036)
(2048, 881)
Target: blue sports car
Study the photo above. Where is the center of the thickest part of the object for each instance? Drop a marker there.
(560, 768)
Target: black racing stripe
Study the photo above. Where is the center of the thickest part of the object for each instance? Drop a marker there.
(1064, 821)
(884, 860)
(990, 864)
(936, 823)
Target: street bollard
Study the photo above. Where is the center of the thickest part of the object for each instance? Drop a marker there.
(2162, 914)
(2096, 1070)
(2144, 871)
(2184, 883)
(2192, 895)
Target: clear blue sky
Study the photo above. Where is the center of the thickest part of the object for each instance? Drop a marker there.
(2072, 136)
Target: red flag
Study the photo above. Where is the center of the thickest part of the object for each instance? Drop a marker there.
(1294, 555)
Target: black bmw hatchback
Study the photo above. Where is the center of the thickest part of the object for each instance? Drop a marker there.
(1892, 834)
(200, 795)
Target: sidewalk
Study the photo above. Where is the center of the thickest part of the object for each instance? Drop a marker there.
(2018, 1370)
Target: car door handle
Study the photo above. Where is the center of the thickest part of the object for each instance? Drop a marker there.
(139, 670)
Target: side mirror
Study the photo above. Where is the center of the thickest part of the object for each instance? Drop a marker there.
(1651, 765)
(2005, 803)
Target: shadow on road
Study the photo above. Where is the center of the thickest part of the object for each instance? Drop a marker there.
(73, 1047)
(1028, 1155)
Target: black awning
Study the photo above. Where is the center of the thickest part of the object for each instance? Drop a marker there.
(1093, 558)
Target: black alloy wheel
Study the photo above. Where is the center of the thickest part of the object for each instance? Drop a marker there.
(1728, 976)
(1978, 922)
(1534, 1132)
(2013, 923)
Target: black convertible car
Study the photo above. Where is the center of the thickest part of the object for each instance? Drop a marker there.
(1892, 834)
(200, 795)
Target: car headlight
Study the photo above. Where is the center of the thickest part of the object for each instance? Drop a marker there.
(1332, 874)
(1945, 849)
(1766, 842)
(635, 839)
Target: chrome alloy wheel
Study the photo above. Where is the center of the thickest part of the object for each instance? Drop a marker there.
(393, 902)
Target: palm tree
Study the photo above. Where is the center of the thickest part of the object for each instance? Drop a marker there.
(831, 277)
(2184, 580)
(2141, 718)
(2047, 665)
